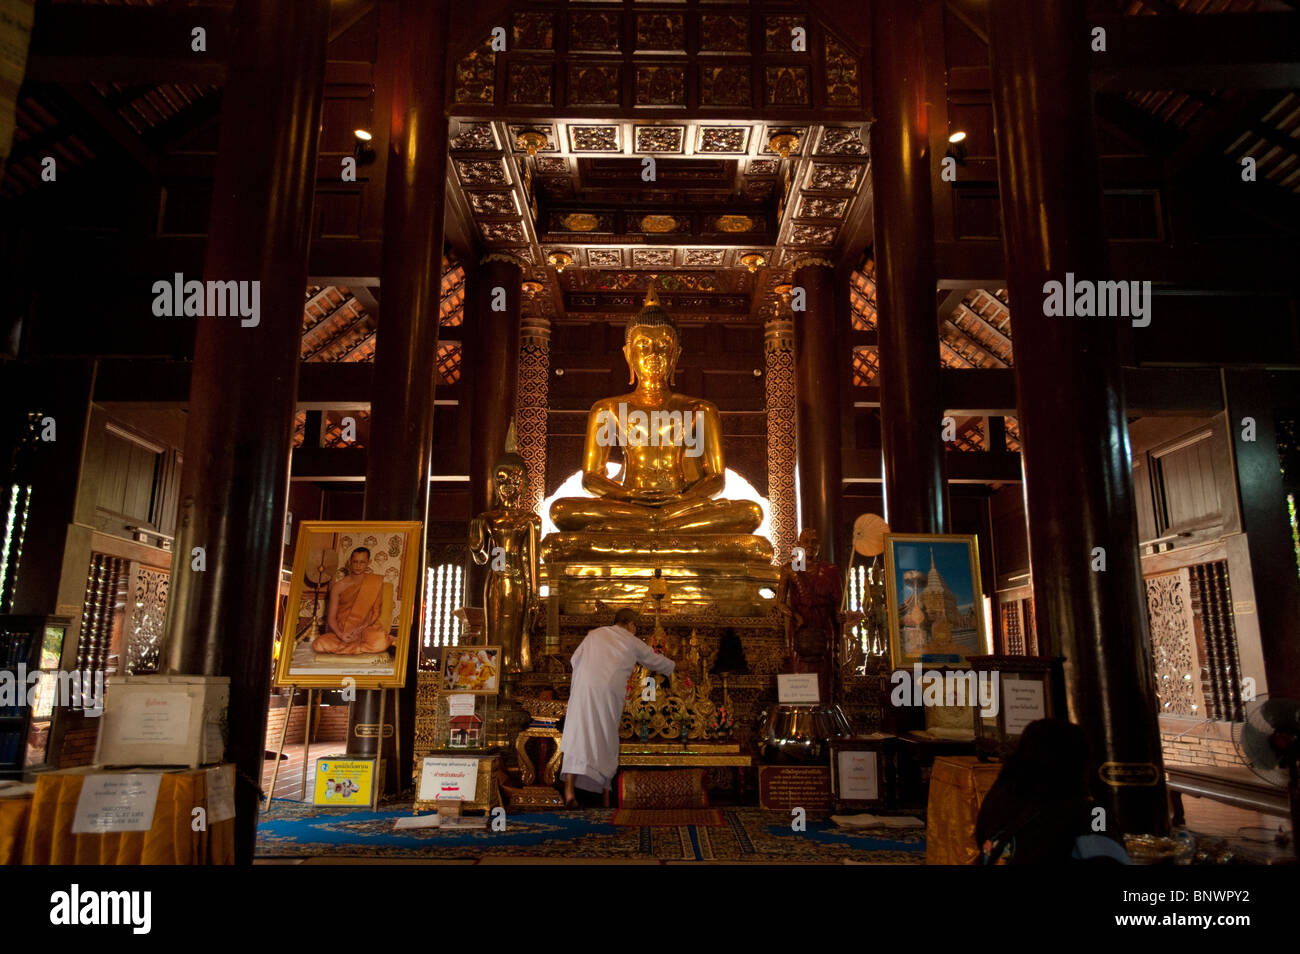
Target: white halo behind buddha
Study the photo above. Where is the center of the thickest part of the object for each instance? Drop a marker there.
(735, 488)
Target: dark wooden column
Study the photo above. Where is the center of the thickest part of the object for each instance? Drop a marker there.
(243, 388)
(818, 366)
(1071, 404)
(1252, 394)
(911, 407)
(401, 424)
(492, 362)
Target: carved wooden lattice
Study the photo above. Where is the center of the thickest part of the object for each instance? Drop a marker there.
(531, 404)
(146, 613)
(780, 439)
(1173, 644)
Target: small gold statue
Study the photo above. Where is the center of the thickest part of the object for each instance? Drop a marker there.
(507, 539)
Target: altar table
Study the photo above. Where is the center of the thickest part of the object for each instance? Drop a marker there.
(37, 829)
(958, 784)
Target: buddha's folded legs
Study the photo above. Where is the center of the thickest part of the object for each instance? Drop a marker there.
(688, 516)
(596, 513)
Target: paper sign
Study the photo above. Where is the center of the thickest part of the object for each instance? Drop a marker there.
(116, 803)
(460, 704)
(857, 778)
(341, 783)
(1023, 699)
(158, 718)
(794, 688)
(452, 779)
(220, 783)
(418, 821)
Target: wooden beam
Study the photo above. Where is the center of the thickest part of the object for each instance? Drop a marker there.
(147, 44)
(1214, 51)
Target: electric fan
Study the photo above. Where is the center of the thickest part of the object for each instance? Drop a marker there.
(1269, 741)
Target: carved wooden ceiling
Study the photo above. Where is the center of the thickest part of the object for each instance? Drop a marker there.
(651, 128)
(716, 197)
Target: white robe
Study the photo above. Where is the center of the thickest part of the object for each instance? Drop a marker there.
(602, 664)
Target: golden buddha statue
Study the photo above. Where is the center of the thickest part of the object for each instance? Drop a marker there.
(660, 510)
(506, 539)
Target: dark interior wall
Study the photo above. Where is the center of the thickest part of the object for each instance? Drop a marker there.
(1010, 535)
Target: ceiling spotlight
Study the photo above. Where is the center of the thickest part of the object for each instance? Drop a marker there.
(531, 288)
(362, 150)
(559, 260)
(531, 141)
(957, 147)
(783, 144)
(753, 261)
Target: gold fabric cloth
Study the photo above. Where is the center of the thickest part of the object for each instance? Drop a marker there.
(48, 840)
(958, 784)
(13, 826)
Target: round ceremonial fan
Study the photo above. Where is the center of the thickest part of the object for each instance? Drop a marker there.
(869, 534)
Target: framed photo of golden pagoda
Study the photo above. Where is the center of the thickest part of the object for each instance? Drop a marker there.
(935, 599)
(354, 592)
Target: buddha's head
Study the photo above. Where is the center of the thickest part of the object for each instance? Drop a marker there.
(509, 477)
(811, 543)
(651, 346)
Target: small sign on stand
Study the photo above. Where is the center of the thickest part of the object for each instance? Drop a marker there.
(342, 782)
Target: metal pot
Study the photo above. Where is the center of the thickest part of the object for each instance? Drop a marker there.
(799, 733)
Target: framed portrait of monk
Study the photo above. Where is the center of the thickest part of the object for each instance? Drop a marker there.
(353, 595)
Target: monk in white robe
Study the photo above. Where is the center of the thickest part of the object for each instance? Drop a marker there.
(602, 664)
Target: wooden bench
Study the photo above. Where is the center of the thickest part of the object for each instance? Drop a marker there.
(1239, 787)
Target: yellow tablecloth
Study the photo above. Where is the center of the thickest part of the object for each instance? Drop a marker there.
(41, 825)
(958, 784)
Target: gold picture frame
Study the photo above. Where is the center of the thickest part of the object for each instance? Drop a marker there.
(381, 610)
(934, 621)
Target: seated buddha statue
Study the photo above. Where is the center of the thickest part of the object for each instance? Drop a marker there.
(662, 502)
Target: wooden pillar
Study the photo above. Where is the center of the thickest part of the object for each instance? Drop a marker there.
(818, 365)
(492, 355)
(1251, 400)
(399, 455)
(911, 406)
(243, 388)
(492, 366)
(1071, 405)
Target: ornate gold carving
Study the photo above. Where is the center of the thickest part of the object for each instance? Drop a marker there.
(579, 222)
(503, 257)
(527, 773)
(658, 223)
(808, 261)
(779, 347)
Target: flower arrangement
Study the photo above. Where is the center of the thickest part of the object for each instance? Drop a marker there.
(721, 721)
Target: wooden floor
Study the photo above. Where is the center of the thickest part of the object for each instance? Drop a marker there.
(1248, 832)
